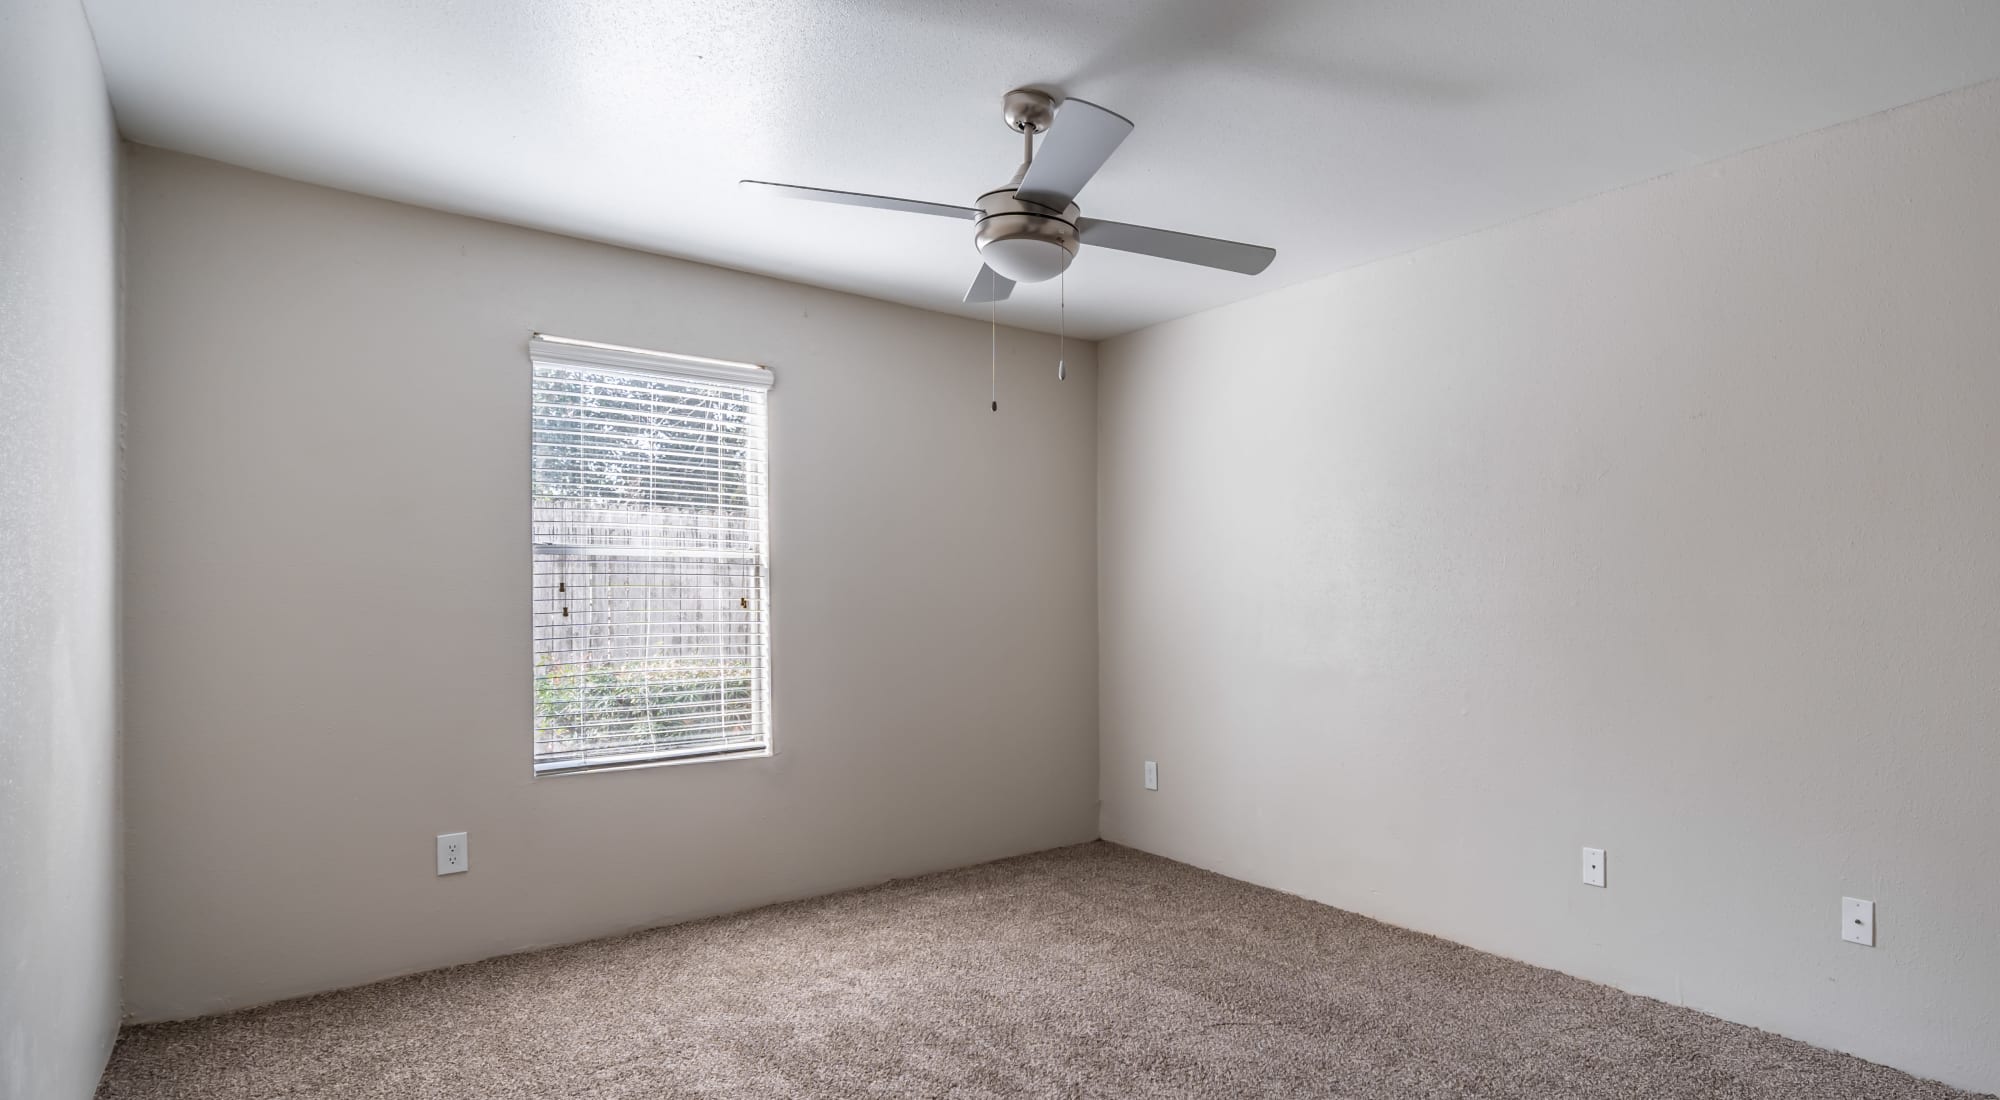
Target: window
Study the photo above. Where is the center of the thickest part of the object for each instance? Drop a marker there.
(651, 625)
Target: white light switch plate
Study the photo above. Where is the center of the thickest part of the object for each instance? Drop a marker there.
(453, 855)
(1152, 776)
(1857, 921)
(1593, 867)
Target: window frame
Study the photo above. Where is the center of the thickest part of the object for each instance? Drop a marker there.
(569, 353)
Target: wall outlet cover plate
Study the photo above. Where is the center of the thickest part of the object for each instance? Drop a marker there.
(1857, 921)
(1593, 867)
(453, 855)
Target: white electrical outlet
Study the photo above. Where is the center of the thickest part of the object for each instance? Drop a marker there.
(453, 856)
(1152, 776)
(1593, 867)
(1857, 921)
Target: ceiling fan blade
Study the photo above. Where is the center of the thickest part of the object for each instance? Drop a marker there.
(988, 286)
(1169, 245)
(1078, 143)
(856, 198)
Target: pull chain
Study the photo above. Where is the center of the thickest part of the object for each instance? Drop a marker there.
(1062, 317)
(993, 321)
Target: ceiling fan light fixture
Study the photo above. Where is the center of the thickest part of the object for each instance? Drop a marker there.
(1029, 230)
(1027, 259)
(1026, 242)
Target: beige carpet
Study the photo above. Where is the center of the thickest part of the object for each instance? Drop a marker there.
(1088, 971)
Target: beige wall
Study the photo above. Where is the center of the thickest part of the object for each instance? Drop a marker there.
(328, 585)
(58, 613)
(1668, 523)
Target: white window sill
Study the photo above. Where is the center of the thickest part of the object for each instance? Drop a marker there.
(626, 764)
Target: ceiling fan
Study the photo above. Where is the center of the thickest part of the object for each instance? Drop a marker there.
(1029, 230)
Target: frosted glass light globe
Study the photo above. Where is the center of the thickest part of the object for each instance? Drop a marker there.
(1026, 259)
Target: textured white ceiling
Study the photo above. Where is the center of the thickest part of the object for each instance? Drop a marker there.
(1338, 132)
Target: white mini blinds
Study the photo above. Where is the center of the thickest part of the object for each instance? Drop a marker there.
(651, 607)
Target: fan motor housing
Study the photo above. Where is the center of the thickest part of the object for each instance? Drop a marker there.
(1024, 241)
